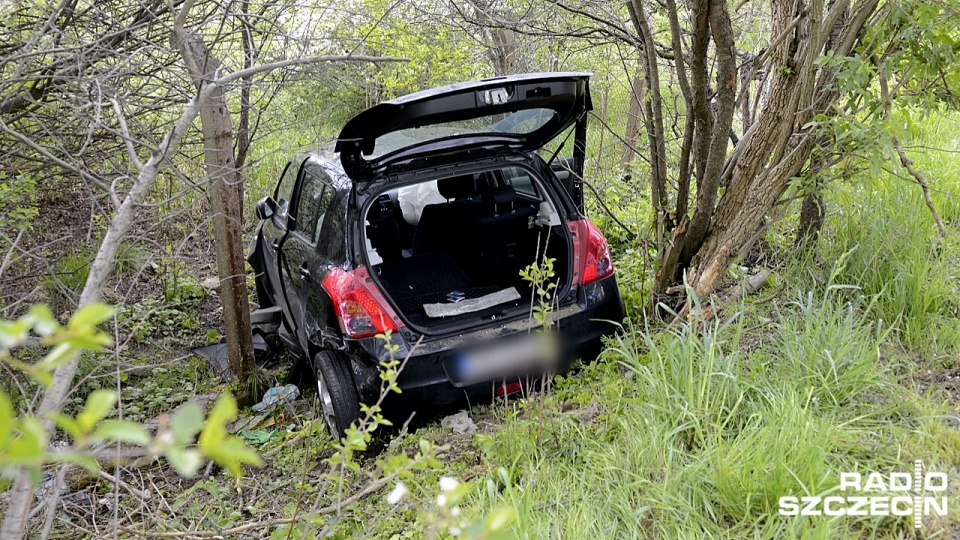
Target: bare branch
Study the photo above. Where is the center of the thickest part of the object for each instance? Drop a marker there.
(45, 153)
(230, 77)
(125, 133)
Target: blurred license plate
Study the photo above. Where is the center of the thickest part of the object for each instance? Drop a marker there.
(532, 354)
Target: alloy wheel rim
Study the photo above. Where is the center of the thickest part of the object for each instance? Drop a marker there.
(326, 405)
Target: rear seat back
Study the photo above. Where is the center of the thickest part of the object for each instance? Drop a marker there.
(505, 240)
(445, 227)
(383, 230)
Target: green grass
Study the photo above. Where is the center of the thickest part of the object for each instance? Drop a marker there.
(689, 436)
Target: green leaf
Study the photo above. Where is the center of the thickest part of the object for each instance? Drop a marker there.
(88, 462)
(41, 377)
(30, 448)
(215, 430)
(61, 354)
(185, 462)
(256, 437)
(6, 420)
(90, 315)
(43, 321)
(122, 431)
(500, 518)
(99, 404)
(232, 454)
(186, 422)
(94, 341)
(67, 424)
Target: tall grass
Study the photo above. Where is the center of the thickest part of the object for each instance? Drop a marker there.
(687, 436)
(886, 243)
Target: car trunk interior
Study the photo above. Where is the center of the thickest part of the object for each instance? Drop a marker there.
(449, 253)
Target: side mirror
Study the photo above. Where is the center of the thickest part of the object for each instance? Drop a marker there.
(266, 207)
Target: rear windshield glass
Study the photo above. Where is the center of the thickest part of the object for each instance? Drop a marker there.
(518, 123)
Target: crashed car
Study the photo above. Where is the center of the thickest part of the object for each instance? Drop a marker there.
(416, 225)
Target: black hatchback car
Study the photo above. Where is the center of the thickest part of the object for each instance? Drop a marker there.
(418, 221)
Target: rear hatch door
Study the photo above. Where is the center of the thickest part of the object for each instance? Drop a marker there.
(471, 119)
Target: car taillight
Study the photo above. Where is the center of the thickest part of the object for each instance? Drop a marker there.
(361, 310)
(591, 255)
(509, 388)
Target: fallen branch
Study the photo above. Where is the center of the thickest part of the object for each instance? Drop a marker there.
(733, 294)
(141, 494)
(748, 287)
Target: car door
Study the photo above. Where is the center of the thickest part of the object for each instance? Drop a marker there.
(465, 120)
(274, 234)
(303, 261)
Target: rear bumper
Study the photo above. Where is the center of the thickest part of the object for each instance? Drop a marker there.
(430, 375)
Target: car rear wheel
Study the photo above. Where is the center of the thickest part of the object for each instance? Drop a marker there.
(339, 401)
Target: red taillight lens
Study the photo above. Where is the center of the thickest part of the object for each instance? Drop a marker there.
(509, 388)
(591, 254)
(361, 310)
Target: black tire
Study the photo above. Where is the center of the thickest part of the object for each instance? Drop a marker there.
(336, 391)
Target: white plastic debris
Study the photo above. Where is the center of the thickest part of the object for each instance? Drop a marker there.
(277, 395)
(473, 304)
(460, 423)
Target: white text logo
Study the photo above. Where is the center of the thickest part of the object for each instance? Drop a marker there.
(896, 494)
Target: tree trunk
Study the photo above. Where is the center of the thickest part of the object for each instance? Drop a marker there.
(716, 150)
(812, 211)
(244, 139)
(654, 108)
(501, 41)
(225, 200)
(780, 142)
(777, 142)
(632, 130)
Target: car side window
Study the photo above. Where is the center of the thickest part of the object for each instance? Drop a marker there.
(284, 195)
(521, 182)
(315, 197)
(331, 244)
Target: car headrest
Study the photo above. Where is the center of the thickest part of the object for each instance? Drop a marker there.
(500, 195)
(382, 209)
(458, 187)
